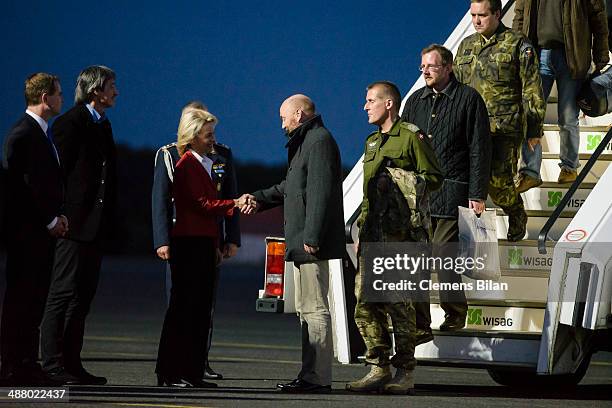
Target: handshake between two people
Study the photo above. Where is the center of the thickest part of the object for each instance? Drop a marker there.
(247, 203)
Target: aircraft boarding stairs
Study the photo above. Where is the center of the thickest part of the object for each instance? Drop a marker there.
(538, 324)
(504, 328)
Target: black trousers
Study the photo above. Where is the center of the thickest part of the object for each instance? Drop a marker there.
(453, 302)
(213, 302)
(74, 281)
(28, 267)
(182, 346)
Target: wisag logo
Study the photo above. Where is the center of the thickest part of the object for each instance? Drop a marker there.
(515, 257)
(474, 316)
(593, 141)
(554, 198)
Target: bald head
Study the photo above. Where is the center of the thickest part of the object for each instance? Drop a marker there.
(296, 110)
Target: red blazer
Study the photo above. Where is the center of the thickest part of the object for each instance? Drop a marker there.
(195, 200)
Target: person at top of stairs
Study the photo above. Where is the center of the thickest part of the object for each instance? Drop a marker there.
(568, 37)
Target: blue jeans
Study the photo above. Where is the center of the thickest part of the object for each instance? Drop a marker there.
(553, 67)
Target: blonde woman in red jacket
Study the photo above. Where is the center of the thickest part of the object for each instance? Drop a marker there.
(194, 255)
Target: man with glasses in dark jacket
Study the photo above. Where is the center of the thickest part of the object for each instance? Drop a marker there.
(454, 118)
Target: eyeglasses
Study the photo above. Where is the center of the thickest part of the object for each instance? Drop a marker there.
(434, 68)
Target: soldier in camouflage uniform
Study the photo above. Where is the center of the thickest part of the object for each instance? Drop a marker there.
(396, 157)
(502, 66)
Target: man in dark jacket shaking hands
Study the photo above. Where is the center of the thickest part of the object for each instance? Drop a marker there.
(314, 232)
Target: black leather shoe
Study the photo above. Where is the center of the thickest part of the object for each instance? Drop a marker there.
(452, 323)
(423, 336)
(28, 377)
(167, 381)
(281, 385)
(60, 376)
(210, 374)
(300, 386)
(86, 378)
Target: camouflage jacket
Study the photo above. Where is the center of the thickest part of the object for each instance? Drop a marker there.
(403, 147)
(504, 70)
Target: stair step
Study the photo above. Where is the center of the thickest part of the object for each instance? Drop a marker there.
(523, 243)
(524, 319)
(550, 170)
(564, 187)
(581, 156)
(523, 257)
(535, 225)
(597, 128)
(538, 213)
(548, 195)
(590, 138)
(489, 334)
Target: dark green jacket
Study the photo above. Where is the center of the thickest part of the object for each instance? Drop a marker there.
(311, 194)
(405, 148)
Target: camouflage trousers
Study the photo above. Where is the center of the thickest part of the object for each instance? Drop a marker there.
(504, 162)
(372, 319)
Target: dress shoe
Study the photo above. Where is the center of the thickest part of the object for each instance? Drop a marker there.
(300, 386)
(452, 323)
(423, 336)
(210, 374)
(183, 382)
(86, 378)
(567, 176)
(281, 385)
(60, 376)
(30, 375)
(517, 225)
(525, 182)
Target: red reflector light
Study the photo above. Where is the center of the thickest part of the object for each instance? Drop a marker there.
(275, 268)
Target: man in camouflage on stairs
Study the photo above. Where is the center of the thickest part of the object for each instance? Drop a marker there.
(502, 66)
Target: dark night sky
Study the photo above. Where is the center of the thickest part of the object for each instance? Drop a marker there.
(242, 58)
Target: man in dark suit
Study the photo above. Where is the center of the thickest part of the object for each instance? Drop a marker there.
(84, 140)
(34, 197)
(224, 178)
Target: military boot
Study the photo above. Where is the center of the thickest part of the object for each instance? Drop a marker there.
(375, 380)
(517, 225)
(402, 383)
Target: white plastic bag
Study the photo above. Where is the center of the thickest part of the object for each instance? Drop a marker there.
(478, 240)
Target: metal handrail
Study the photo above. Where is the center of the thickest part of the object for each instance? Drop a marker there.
(349, 226)
(543, 237)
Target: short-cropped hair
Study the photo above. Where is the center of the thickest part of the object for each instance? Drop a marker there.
(494, 5)
(388, 90)
(445, 54)
(191, 123)
(38, 84)
(89, 80)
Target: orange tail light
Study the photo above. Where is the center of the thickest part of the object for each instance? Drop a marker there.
(275, 268)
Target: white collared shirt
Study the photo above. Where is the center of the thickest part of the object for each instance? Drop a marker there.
(93, 112)
(44, 126)
(205, 161)
(41, 122)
